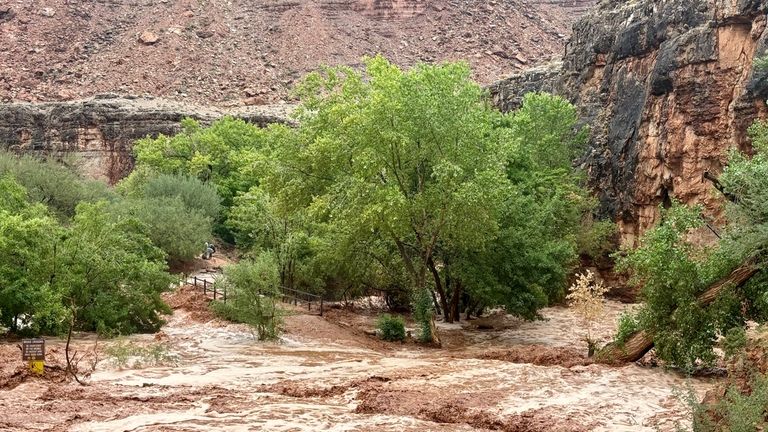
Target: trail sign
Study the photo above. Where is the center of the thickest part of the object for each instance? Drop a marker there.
(33, 351)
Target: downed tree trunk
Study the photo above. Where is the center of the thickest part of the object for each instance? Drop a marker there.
(639, 343)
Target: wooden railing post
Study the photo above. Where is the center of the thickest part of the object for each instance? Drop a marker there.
(205, 286)
(214, 290)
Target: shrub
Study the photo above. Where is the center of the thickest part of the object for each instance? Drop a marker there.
(628, 325)
(391, 328)
(173, 227)
(53, 184)
(195, 194)
(423, 313)
(587, 297)
(252, 291)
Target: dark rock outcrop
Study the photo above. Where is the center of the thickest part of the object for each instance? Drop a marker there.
(667, 87)
(99, 132)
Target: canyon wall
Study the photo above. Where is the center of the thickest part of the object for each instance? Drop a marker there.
(98, 133)
(667, 87)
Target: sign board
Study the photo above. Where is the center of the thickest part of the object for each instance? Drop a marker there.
(33, 349)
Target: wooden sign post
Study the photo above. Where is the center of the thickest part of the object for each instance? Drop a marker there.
(33, 351)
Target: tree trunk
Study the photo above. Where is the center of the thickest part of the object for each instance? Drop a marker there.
(455, 297)
(639, 343)
(440, 290)
(435, 302)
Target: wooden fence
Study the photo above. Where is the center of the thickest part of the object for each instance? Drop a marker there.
(296, 297)
(208, 287)
(288, 295)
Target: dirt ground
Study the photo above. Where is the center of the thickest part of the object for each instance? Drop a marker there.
(329, 373)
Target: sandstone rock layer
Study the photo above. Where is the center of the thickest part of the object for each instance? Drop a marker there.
(99, 133)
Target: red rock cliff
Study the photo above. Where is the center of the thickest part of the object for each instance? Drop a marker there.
(667, 88)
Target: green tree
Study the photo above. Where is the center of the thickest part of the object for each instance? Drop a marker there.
(196, 195)
(407, 157)
(28, 237)
(252, 289)
(226, 154)
(111, 275)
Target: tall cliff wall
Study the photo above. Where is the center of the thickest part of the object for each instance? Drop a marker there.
(667, 87)
(99, 133)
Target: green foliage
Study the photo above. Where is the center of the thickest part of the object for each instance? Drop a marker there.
(761, 63)
(391, 328)
(226, 154)
(196, 195)
(52, 183)
(252, 289)
(13, 196)
(737, 411)
(628, 325)
(176, 229)
(596, 238)
(734, 342)
(671, 273)
(111, 273)
(178, 211)
(423, 313)
(28, 235)
(399, 181)
(746, 178)
(417, 172)
(98, 270)
(545, 133)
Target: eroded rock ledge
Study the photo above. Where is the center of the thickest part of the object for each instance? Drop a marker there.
(99, 132)
(666, 87)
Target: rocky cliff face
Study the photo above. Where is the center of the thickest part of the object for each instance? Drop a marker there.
(667, 88)
(99, 133)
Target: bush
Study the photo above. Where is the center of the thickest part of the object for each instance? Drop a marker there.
(596, 238)
(628, 325)
(178, 230)
(423, 313)
(195, 194)
(252, 291)
(391, 328)
(53, 184)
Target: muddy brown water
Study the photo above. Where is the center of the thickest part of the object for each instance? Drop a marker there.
(325, 377)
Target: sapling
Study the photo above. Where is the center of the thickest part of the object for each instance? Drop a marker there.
(587, 298)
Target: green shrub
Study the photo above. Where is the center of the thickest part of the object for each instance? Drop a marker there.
(391, 328)
(740, 410)
(53, 184)
(596, 238)
(628, 325)
(423, 313)
(252, 288)
(178, 230)
(195, 194)
(734, 341)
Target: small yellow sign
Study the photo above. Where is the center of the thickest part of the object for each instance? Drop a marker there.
(37, 367)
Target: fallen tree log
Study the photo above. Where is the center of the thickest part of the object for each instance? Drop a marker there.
(640, 342)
